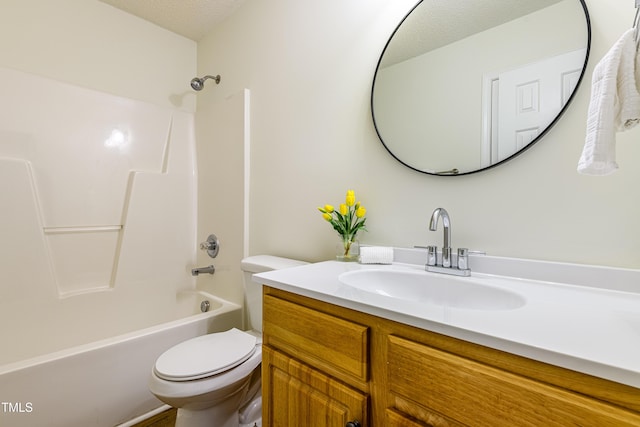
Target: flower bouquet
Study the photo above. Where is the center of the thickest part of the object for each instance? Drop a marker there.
(348, 220)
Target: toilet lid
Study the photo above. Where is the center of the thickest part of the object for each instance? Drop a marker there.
(205, 355)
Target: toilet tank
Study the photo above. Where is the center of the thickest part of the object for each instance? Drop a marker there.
(253, 291)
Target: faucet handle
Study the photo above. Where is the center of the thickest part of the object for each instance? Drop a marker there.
(463, 258)
(211, 245)
(432, 255)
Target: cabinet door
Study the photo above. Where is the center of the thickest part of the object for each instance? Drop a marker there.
(298, 395)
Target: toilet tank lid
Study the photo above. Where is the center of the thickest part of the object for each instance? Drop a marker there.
(262, 263)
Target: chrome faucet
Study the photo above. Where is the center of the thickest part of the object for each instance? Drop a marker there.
(446, 223)
(203, 270)
(462, 268)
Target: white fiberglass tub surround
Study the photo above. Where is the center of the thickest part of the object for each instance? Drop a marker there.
(99, 234)
(98, 237)
(99, 201)
(103, 384)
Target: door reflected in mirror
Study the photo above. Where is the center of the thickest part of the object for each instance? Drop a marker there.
(464, 86)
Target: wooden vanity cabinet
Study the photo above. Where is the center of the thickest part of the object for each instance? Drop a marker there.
(325, 365)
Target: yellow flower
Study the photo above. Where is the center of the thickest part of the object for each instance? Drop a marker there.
(351, 198)
(348, 219)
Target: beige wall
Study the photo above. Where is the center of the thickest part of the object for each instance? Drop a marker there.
(309, 68)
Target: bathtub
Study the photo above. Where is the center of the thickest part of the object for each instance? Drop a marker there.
(104, 383)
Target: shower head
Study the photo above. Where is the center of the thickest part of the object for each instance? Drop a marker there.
(197, 83)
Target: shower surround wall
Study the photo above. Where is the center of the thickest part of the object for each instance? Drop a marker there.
(98, 205)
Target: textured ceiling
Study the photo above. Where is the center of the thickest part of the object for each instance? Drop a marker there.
(442, 23)
(190, 18)
(437, 23)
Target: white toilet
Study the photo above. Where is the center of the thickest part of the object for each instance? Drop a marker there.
(214, 379)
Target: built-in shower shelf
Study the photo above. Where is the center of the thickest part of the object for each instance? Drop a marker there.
(69, 244)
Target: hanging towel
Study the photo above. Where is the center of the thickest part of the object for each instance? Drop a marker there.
(614, 106)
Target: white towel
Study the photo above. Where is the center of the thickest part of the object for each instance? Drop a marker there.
(376, 255)
(614, 106)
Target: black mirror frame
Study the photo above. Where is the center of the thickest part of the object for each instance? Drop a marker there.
(517, 153)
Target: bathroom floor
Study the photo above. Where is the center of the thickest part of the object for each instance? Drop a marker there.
(168, 419)
(163, 419)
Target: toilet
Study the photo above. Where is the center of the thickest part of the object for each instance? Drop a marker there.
(214, 379)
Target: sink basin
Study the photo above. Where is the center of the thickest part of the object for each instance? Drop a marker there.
(431, 288)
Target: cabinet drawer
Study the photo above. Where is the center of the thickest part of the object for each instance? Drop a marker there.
(476, 394)
(336, 345)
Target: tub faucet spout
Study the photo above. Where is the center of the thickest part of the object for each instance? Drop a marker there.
(202, 270)
(446, 223)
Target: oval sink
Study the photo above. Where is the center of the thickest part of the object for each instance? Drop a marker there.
(439, 289)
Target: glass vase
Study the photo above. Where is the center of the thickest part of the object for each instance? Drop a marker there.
(348, 250)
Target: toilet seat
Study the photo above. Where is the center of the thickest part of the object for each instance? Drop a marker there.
(205, 356)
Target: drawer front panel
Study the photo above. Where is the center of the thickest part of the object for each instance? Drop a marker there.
(337, 345)
(476, 394)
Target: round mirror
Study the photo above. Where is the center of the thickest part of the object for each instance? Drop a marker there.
(465, 85)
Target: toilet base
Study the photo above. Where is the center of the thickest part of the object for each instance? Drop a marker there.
(225, 414)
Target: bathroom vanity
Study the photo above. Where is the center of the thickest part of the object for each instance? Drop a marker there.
(333, 356)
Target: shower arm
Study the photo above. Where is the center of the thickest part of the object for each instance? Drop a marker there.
(214, 78)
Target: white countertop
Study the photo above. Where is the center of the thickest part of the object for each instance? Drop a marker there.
(584, 328)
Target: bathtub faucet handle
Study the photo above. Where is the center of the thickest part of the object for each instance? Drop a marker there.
(212, 245)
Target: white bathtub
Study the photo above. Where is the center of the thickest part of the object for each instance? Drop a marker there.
(104, 383)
